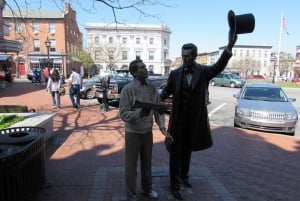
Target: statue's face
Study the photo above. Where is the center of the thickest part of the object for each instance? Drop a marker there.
(141, 73)
(188, 57)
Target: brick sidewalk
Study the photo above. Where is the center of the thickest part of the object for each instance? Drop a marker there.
(84, 159)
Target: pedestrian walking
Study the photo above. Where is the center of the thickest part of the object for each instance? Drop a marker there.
(53, 86)
(75, 83)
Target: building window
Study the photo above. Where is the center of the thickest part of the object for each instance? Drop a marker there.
(97, 55)
(97, 39)
(151, 41)
(124, 55)
(138, 54)
(58, 66)
(35, 27)
(165, 41)
(124, 40)
(52, 45)
(150, 68)
(265, 64)
(234, 52)
(34, 65)
(111, 55)
(51, 28)
(165, 54)
(138, 40)
(151, 55)
(36, 45)
(110, 39)
(253, 53)
(18, 27)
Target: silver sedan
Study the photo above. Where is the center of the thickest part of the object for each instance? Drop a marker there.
(265, 107)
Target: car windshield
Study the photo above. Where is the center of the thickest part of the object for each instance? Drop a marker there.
(235, 76)
(122, 75)
(264, 94)
(94, 79)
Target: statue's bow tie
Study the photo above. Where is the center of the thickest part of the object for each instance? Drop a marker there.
(188, 70)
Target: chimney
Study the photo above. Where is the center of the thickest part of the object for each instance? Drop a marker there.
(67, 7)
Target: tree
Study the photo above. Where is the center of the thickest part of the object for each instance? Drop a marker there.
(139, 6)
(110, 55)
(285, 63)
(86, 60)
(246, 66)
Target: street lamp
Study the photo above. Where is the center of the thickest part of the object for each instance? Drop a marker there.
(274, 59)
(48, 44)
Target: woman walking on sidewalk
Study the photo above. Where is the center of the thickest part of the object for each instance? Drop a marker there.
(53, 85)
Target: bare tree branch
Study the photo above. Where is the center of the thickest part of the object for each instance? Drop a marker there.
(137, 5)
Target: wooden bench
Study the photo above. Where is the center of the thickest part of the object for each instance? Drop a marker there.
(15, 109)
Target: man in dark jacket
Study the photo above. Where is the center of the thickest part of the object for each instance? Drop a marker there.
(189, 123)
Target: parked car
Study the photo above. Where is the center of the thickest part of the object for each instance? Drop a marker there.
(258, 77)
(29, 75)
(227, 79)
(35, 75)
(87, 91)
(121, 78)
(295, 80)
(265, 107)
(117, 81)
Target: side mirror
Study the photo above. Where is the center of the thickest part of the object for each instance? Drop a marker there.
(292, 99)
(236, 95)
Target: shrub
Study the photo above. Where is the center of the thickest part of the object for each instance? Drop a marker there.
(8, 120)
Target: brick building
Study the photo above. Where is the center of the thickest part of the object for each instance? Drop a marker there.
(35, 28)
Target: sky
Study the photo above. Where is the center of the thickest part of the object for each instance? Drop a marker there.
(203, 23)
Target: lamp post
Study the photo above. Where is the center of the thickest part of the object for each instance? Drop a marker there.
(274, 59)
(48, 44)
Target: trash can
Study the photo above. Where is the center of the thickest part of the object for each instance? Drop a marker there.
(22, 163)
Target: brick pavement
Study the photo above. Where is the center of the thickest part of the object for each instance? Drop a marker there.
(84, 159)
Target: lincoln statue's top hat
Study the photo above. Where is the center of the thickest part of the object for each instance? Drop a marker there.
(241, 24)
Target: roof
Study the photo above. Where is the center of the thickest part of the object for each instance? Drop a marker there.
(114, 26)
(33, 13)
(249, 46)
(4, 57)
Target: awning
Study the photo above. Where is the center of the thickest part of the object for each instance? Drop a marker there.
(4, 57)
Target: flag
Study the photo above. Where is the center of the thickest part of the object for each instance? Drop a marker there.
(284, 26)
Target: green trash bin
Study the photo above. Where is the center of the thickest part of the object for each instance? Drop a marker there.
(22, 163)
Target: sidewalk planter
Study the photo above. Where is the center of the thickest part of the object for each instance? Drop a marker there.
(43, 120)
(22, 163)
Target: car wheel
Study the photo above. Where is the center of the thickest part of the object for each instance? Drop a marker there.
(213, 83)
(99, 100)
(89, 94)
(232, 84)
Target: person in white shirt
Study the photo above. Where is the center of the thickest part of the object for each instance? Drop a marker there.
(75, 83)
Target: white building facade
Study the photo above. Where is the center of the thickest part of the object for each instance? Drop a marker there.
(251, 59)
(114, 46)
